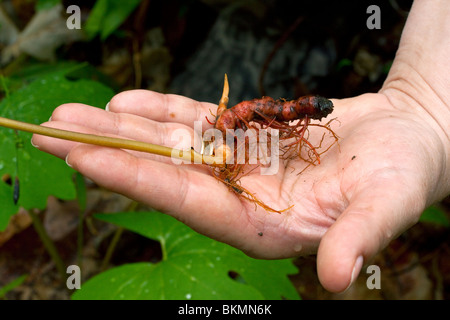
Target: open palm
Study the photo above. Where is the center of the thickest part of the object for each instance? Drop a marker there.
(361, 195)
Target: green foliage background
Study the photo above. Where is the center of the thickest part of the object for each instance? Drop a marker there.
(40, 174)
(193, 267)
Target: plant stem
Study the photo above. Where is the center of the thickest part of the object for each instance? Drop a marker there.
(190, 155)
(81, 197)
(112, 246)
(80, 238)
(48, 244)
(115, 240)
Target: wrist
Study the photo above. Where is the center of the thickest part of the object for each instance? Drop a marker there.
(432, 119)
(418, 81)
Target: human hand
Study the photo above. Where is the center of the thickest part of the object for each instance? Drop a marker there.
(347, 207)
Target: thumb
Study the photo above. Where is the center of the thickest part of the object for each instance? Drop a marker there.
(372, 219)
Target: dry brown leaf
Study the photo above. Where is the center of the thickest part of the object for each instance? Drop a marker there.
(18, 222)
(8, 31)
(42, 36)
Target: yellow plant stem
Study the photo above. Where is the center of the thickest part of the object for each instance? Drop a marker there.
(187, 155)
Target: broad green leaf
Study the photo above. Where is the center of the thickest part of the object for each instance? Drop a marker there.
(36, 70)
(193, 267)
(28, 72)
(40, 174)
(70, 69)
(107, 16)
(7, 206)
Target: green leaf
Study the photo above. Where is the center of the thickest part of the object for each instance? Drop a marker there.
(107, 16)
(344, 63)
(28, 72)
(7, 206)
(435, 215)
(46, 4)
(193, 267)
(40, 174)
(12, 285)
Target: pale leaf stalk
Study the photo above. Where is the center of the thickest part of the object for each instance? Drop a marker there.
(186, 155)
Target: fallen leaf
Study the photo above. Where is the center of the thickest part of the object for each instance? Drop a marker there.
(46, 32)
(8, 30)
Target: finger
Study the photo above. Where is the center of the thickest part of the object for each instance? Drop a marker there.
(196, 199)
(372, 219)
(120, 124)
(90, 120)
(87, 116)
(163, 107)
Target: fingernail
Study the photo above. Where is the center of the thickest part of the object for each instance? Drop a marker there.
(356, 270)
(33, 144)
(67, 161)
(107, 107)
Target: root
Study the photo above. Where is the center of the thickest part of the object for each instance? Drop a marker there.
(231, 178)
(294, 139)
(301, 147)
